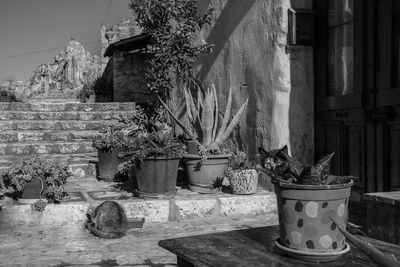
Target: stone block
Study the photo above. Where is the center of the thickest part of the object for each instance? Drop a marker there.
(182, 209)
(54, 215)
(247, 204)
(151, 210)
(27, 148)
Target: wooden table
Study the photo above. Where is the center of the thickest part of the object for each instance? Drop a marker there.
(255, 247)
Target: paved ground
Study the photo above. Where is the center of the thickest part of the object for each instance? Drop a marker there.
(33, 246)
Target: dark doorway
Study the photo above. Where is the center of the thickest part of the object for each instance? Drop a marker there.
(357, 98)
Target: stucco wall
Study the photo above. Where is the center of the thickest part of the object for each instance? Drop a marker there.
(252, 57)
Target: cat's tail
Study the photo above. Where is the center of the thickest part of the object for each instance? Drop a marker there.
(102, 234)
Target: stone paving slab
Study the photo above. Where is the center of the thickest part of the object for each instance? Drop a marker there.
(39, 246)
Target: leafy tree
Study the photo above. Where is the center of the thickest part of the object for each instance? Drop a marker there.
(173, 26)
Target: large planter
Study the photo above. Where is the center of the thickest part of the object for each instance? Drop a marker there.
(108, 163)
(202, 174)
(156, 177)
(244, 182)
(306, 230)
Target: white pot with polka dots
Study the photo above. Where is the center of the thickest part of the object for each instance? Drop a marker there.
(305, 213)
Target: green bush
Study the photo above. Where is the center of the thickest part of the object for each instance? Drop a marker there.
(51, 173)
(174, 27)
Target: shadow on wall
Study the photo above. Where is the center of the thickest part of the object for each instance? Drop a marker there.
(233, 13)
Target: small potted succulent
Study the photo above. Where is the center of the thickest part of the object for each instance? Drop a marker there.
(155, 153)
(242, 175)
(207, 165)
(31, 180)
(109, 145)
(308, 200)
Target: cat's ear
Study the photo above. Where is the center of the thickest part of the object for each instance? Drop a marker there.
(285, 149)
(263, 152)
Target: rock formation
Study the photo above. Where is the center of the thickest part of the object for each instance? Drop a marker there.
(72, 68)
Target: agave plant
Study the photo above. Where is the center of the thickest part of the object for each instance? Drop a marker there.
(203, 117)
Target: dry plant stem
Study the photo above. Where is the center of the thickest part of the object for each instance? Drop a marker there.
(380, 258)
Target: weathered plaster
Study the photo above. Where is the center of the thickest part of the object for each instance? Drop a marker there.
(252, 57)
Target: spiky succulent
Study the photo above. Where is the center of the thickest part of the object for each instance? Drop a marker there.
(287, 169)
(203, 116)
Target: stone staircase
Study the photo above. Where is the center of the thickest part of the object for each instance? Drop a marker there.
(64, 132)
(60, 131)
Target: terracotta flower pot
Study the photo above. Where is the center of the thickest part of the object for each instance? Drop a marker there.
(156, 177)
(31, 192)
(108, 162)
(202, 174)
(304, 217)
(244, 182)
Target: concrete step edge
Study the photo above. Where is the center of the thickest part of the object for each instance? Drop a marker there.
(160, 210)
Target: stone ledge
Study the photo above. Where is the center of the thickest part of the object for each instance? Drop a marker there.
(391, 198)
(153, 210)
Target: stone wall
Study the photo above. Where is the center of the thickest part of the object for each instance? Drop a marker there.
(129, 77)
(252, 57)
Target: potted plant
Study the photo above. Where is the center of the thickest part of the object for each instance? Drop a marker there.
(155, 156)
(209, 163)
(308, 199)
(242, 175)
(109, 145)
(31, 180)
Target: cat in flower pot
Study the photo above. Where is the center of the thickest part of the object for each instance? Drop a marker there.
(312, 205)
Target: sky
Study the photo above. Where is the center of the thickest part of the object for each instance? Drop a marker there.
(31, 26)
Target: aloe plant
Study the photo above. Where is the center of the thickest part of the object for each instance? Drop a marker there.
(203, 116)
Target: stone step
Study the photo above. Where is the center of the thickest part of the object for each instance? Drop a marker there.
(43, 147)
(46, 135)
(82, 165)
(43, 106)
(65, 115)
(71, 125)
(185, 205)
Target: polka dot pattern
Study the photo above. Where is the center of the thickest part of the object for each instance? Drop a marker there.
(312, 209)
(300, 223)
(299, 206)
(340, 211)
(325, 241)
(296, 237)
(307, 224)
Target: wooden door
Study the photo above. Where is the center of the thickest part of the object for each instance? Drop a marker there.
(384, 117)
(357, 74)
(340, 90)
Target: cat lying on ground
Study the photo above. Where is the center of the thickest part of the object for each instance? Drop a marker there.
(108, 220)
